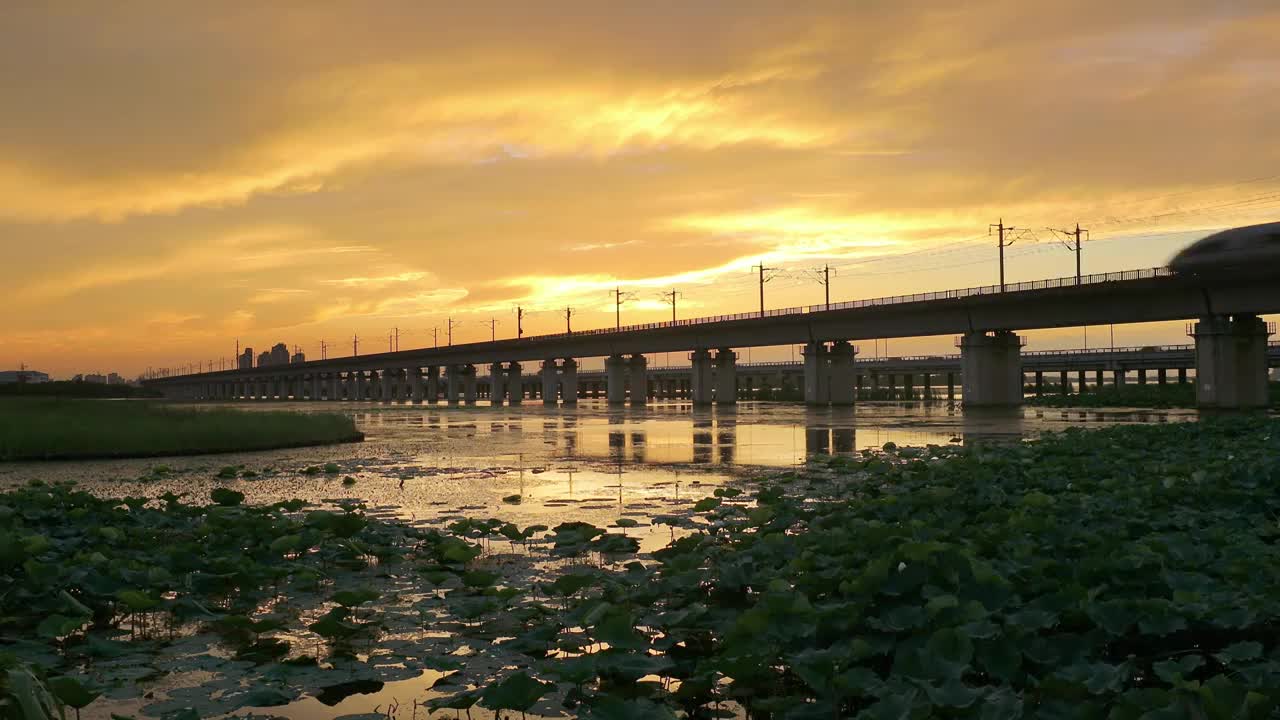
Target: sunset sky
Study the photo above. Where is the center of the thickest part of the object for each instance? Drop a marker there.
(175, 177)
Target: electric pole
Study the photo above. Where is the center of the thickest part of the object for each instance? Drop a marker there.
(670, 297)
(451, 323)
(435, 336)
(355, 345)
(1000, 227)
(823, 276)
(493, 329)
(1073, 246)
(324, 350)
(617, 307)
(519, 322)
(568, 315)
(763, 280)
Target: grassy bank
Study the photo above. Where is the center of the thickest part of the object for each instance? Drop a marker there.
(72, 389)
(1173, 395)
(50, 428)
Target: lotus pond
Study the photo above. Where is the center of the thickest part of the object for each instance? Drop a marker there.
(1126, 572)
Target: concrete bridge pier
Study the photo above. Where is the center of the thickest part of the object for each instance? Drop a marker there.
(951, 387)
(991, 368)
(415, 385)
(1039, 383)
(469, 384)
(497, 383)
(817, 371)
(843, 377)
(569, 381)
(550, 382)
(453, 384)
(515, 383)
(1118, 377)
(317, 387)
(1064, 383)
(726, 377)
(700, 387)
(335, 386)
(615, 373)
(1231, 361)
(1182, 376)
(385, 388)
(638, 370)
(1161, 376)
(1080, 381)
(926, 386)
(433, 385)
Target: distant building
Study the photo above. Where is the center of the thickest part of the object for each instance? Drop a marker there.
(97, 378)
(264, 359)
(279, 354)
(298, 357)
(115, 379)
(22, 376)
(245, 361)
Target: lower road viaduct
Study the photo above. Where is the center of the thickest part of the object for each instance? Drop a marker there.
(1230, 355)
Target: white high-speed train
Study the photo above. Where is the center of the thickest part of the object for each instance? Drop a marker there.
(1249, 248)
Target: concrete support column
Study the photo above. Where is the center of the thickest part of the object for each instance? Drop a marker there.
(726, 377)
(515, 383)
(453, 384)
(497, 384)
(569, 381)
(1231, 362)
(843, 378)
(1064, 383)
(638, 372)
(1142, 376)
(700, 388)
(615, 371)
(1117, 377)
(926, 386)
(1182, 376)
(416, 388)
(1097, 379)
(433, 385)
(1080, 381)
(550, 382)
(951, 386)
(817, 374)
(909, 385)
(469, 384)
(991, 368)
(335, 386)
(317, 387)
(1039, 383)
(1161, 376)
(385, 390)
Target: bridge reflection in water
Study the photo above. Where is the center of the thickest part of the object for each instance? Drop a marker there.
(748, 434)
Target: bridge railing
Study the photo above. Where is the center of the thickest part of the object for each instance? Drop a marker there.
(1094, 279)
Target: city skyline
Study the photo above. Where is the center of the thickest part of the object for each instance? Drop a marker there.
(174, 182)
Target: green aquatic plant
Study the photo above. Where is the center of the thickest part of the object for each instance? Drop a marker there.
(1119, 573)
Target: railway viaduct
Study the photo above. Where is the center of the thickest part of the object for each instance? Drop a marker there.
(1230, 354)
